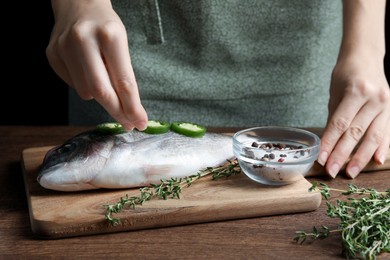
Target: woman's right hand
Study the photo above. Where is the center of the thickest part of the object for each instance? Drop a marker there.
(88, 49)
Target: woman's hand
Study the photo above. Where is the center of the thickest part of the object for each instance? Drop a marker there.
(359, 116)
(88, 49)
(359, 105)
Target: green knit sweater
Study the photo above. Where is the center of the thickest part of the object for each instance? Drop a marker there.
(229, 62)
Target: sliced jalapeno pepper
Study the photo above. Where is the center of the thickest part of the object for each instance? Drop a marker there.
(157, 127)
(188, 129)
(111, 128)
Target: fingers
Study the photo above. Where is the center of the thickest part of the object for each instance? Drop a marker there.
(66, 54)
(383, 149)
(96, 62)
(372, 141)
(338, 124)
(114, 47)
(349, 140)
(57, 63)
(99, 81)
(359, 126)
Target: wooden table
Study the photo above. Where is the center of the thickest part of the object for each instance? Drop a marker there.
(254, 238)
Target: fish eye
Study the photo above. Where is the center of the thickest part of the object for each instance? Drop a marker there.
(66, 148)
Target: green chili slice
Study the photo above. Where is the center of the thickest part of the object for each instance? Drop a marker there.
(111, 128)
(188, 129)
(157, 127)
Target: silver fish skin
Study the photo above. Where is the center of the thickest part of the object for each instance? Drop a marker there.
(92, 160)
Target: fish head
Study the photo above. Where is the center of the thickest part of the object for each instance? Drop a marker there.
(74, 164)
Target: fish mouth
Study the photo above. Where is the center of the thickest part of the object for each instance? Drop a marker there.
(71, 187)
(45, 171)
(45, 179)
(50, 178)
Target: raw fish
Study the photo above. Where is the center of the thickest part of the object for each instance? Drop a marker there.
(93, 160)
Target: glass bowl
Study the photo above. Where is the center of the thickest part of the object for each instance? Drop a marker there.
(275, 155)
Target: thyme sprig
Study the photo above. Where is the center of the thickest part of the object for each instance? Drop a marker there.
(364, 221)
(170, 188)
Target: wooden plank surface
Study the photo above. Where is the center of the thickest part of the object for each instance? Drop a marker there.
(56, 214)
(250, 238)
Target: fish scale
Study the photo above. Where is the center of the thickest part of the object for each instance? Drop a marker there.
(94, 160)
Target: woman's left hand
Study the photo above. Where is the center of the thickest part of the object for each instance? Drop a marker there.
(358, 125)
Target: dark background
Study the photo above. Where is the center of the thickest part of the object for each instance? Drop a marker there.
(31, 93)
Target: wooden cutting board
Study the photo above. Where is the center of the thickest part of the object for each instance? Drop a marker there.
(55, 214)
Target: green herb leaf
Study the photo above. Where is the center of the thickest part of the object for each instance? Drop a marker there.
(364, 221)
(168, 189)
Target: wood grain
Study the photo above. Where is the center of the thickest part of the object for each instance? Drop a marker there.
(56, 214)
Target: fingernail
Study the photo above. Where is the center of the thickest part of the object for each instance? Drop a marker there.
(141, 125)
(322, 158)
(353, 171)
(382, 159)
(334, 169)
(128, 127)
